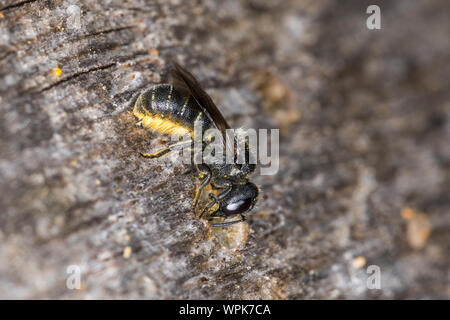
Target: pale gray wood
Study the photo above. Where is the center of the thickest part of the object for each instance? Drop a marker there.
(364, 118)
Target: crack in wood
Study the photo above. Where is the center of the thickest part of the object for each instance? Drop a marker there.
(4, 56)
(76, 75)
(16, 5)
(102, 32)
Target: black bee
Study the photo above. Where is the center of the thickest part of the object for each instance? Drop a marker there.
(173, 109)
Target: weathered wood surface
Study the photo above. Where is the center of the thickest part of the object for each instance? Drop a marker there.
(364, 117)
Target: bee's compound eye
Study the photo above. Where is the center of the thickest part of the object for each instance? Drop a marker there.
(237, 207)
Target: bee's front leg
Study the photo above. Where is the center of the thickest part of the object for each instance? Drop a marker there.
(222, 184)
(206, 180)
(210, 205)
(225, 224)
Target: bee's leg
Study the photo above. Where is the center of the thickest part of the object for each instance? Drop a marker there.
(223, 185)
(223, 194)
(215, 200)
(205, 169)
(175, 146)
(212, 203)
(225, 224)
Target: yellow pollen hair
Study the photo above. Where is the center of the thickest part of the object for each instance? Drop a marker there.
(161, 125)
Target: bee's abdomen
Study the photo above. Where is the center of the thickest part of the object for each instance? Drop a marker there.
(164, 109)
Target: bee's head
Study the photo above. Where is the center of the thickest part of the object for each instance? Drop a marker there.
(241, 199)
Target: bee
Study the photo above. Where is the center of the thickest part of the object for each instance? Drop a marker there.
(174, 109)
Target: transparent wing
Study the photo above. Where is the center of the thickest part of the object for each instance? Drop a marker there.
(183, 80)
